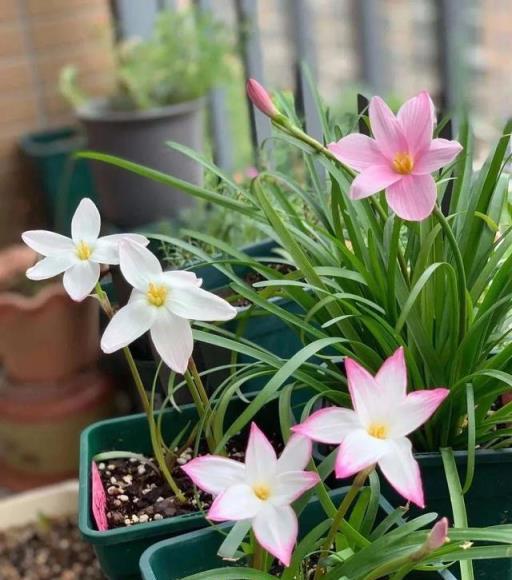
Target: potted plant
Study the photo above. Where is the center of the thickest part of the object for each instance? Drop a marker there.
(159, 88)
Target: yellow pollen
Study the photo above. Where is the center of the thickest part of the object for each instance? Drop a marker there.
(83, 250)
(378, 430)
(261, 491)
(403, 163)
(156, 294)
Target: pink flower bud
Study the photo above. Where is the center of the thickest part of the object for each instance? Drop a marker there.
(261, 99)
(438, 535)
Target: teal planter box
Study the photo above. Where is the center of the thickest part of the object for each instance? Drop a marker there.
(197, 551)
(64, 180)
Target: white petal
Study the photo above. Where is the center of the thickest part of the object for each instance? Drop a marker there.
(51, 266)
(214, 474)
(296, 454)
(181, 278)
(402, 471)
(197, 304)
(260, 457)
(276, 529)
(172, 337)
(237, 502)
(367, 396)
(415, 409)
(392, 377)
(127, 325)
(86, 222)
(330, 425)
(358, 451)
(106, 249)
(289, 486)
(138, 265)
(47, 243)
(80, 279)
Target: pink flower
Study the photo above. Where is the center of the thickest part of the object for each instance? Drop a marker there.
(261, 99)
(261, 490)
(376, 431)
(400, 158)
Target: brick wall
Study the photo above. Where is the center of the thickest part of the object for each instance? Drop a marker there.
(37, 38)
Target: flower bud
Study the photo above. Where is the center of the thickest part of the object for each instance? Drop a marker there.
(438, 535)
(261, 99)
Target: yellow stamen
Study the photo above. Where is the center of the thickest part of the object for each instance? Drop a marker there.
(403, 163)
(261, 491)
(378, 430)
(156, 294)
(83, 250)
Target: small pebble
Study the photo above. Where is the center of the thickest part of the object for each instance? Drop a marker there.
(111, 466)
(113, 490)
(159, 499)
(128, 478)
(123, 497)
(101, 466)
(158, 517)
(135, 518)
(141, 470)
(181, 461)
(133, 459)
(113, 480)
(143, 518)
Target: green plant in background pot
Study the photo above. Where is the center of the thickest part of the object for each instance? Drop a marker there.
(159, 86)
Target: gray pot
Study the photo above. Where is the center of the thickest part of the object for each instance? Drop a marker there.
(128, 200)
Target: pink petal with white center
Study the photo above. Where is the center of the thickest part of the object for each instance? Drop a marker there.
(329, 425)
(386, 129)
(86, 222)
(47, 243)
(172, 337)
(440, 153)
(415, 409)
(181, 278)
(51, 266)
(402, 471)
(413, 197)
(417, 120)
(296, 455)
(366, 394)
(132, 321)
(138, 265)
(291, 485)
(358, 451)
(214, 474)
(276, 529)
(357, 151)
(373, 180)
(260, 457)
(197, 304)
(106, 248)
(237, 502)
(392, 377)
(80, 279)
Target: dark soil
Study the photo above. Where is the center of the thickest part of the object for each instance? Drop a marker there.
(50, 549)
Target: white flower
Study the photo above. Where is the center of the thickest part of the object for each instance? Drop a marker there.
(261, 490)
(80, 256)
(163, 303)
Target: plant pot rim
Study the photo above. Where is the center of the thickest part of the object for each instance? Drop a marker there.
(483, 455)
(98, 111)
(50, 292)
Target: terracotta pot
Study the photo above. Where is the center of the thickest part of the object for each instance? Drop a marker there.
(45, 337)
(40, 427)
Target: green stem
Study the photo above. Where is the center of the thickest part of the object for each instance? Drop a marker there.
(259, 555)
(198, 382)
(202, 410)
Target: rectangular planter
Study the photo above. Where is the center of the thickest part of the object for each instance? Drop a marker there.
(119, 549)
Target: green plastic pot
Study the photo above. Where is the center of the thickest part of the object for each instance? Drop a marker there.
(197, 551)
(118, 550)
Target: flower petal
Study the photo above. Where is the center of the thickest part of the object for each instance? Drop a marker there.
(440, 153)
(276, 529)
(86, 222)
(413, 197)
(214, 474)
(189, 301)
(51, 266)
(357, 151)
(402, 470)
(181, 278)
(291, 485)
(415, 409)
(386, 129)
(373, 180)
(366, 394)
(392, 377)
(47, 243)
(237, 502)
(138, 265)
(330, 425)
(358, 451)
(416, 116)
(132, 321)
(106, 248)
(172, 337)
(80, 279)
(260, 457)
(296, 454)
